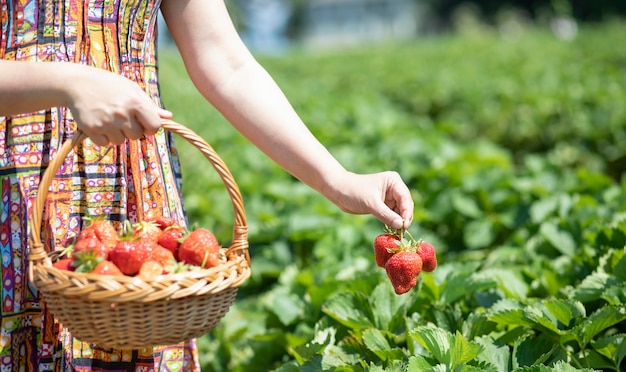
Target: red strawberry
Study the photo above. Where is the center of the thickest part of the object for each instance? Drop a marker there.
(64, 264)
(150, 269)
(426, 251)
(90, 243)
(163, 222)
(148, 230)
(200, 248)
(170, 238)
(129, 254)
(402, 269)
(162, 255)
(101, 229)
(385, 245)
(106, 268)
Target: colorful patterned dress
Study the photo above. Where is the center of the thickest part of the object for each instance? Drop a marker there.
(134, 181)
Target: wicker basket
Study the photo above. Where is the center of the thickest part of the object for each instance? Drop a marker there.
(124, 312)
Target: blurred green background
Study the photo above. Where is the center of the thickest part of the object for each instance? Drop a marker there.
(513, 143)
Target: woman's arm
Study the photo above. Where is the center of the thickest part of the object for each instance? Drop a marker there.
(106, 106)
(229, 77)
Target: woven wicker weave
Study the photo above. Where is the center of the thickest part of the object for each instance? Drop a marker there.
(124, 312)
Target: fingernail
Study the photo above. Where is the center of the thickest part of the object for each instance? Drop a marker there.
(398, 223)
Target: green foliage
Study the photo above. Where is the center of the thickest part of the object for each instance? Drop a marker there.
(515, 151)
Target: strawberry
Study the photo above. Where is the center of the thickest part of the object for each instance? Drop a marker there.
(200, 248)
(385, 245)
(426, 251)
(64, 264)
(146, 229)
(100, 228)
(170, 238)
(402, 269)
(163, 222)
(90, 243)
(129, 254)
(150, 269)
(162, 255)
(106, 268)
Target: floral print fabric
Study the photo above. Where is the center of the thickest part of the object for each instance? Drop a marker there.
(134, 181)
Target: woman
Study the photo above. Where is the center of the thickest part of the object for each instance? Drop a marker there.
(90, 66)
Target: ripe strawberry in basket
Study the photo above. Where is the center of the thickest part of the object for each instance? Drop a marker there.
(106, 268)
(90, 243)
(100, 228)
(163, 222)
(147, 229)
(171, 238)
(150, 269)
(130, 253)
(64, 264)
(200, 248)
(161, 255)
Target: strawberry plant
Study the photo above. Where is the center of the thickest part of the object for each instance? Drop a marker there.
(514, 152)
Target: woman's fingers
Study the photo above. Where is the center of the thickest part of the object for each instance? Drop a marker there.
(148, 118)
(109, 108)
(383, 195)
(99, 139)
(132, 130)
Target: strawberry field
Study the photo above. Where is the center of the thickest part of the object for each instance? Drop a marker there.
(515, 151)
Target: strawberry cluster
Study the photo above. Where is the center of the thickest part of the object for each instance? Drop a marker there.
(144, 249)
(403, 258)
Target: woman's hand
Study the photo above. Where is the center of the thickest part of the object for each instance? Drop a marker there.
(109, 108)
(383, 195)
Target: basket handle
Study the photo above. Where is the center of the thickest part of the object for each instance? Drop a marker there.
(240, 229)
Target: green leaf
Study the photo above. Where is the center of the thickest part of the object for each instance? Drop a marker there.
(614, 237)
(494, 353)
(562, 366)
(593, 286)
(477, 324)
(616, 294)
(590, 357)
(351, 309)
(619, 270)
(509, 313)
(528, 351)
(542, 208)
(418, 363)
(512, 285)
(387, 307)
(478, 233)
(466, 205)
(376, 342)
(540, 320)
(430, 289)
(287, 306)
(459, 284)
(334, 358)
(436, 340)
(599, 321)
(564, 310)
(620, 353)
(463, 351)
(559, 239)
(612, 347)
